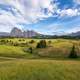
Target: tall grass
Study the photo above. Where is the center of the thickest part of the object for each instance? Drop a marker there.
(40, 70)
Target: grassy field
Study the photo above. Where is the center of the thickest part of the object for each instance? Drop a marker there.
(50, 63)
(40, 70)
(17, 47)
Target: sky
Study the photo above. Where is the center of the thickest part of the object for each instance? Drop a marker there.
(53, 17)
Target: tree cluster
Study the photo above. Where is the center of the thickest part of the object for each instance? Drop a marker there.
(41, 44)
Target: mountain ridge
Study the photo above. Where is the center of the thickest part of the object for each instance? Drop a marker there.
(16, 32)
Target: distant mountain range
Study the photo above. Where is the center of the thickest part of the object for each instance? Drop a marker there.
(4, 34)
(15, 32)
(75, 34)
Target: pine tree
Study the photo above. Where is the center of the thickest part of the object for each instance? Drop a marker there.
(73, 53)
(41, 44)
(30, 50)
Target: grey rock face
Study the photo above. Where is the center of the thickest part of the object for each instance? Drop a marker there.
(15, 32)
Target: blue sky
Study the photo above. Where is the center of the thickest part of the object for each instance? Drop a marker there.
(44, 16)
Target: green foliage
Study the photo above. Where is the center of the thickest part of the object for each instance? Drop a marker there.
(49, 42)
(73, 53)
(41, 44)
(32, 41)
(15, 44)
(30, 50)
(47, 48)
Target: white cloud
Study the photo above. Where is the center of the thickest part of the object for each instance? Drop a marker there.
(30, 11)
(77, 1)
(8, 20)
(73, 29)
(25, 11)
(68, 12)
(54, 29)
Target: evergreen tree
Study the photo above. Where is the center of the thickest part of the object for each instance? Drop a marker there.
(73, 53)
(32, 41)
(30, 50)
(41, 44)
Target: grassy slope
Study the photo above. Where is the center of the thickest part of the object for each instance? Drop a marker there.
(10, 50)
(14, 52)
(61, 48)
(39, 70)
(17, 69)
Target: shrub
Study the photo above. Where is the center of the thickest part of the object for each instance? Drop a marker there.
(32, 41)
(19, 40)
(73, 53)
(16, 44)
(23, 40)
(30, 50)
(3, 41)
(49, 42)
(41, 44)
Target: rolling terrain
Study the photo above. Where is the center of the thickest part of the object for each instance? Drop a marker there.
(50, 63)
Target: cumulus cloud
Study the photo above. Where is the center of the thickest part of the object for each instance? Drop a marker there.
(77, 1)
(73, 29)
(32, 10)
(8, 20)
(68, 12)
(13, 12)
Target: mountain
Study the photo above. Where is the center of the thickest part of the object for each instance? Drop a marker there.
(4, 34)
(75, 34)
(15, 32)
(30, 33)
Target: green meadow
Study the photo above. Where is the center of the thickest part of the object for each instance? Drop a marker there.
(56, 48)
(50, 63)
(39, 70)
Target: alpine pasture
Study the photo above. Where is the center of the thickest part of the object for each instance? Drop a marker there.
(20, 59)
